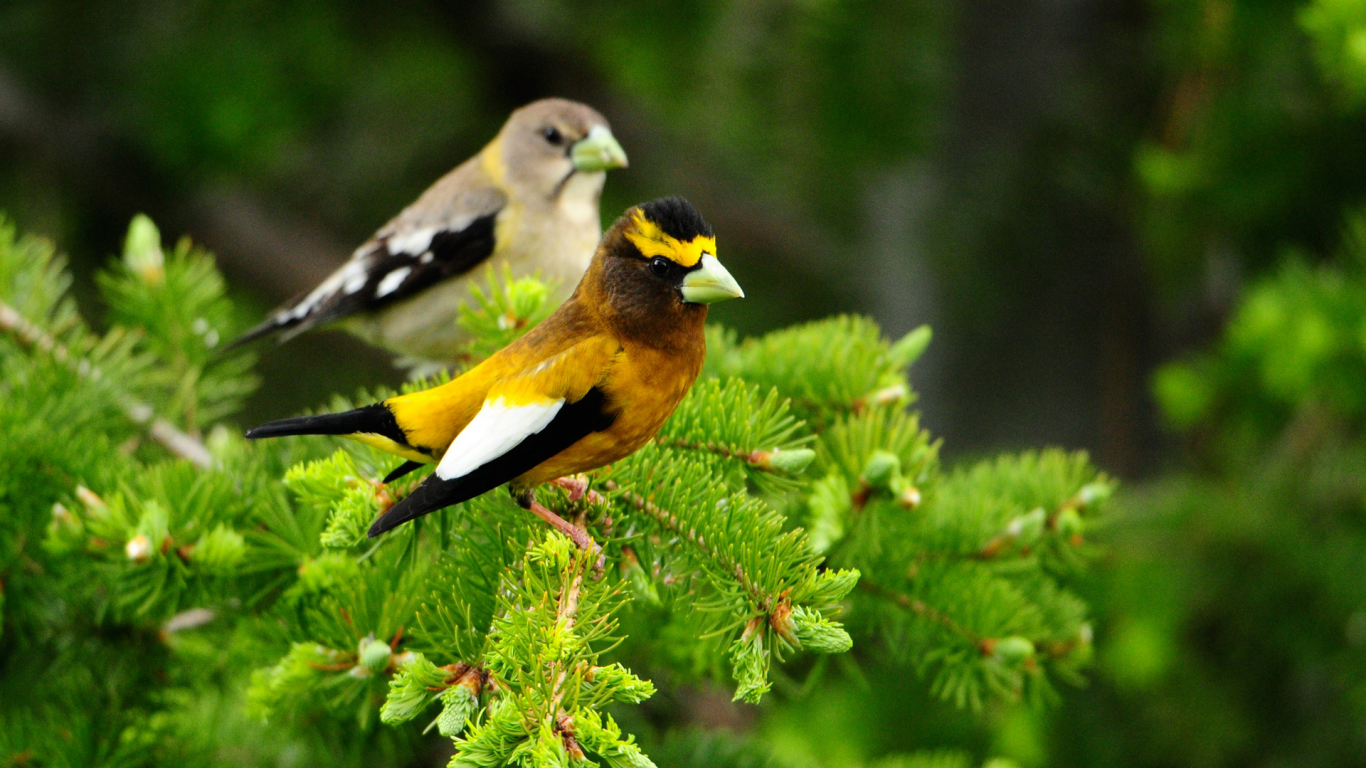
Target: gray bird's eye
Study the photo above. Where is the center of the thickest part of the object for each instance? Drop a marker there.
(553, 136)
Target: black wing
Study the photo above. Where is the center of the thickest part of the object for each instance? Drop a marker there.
(388, 269)
(573, 422)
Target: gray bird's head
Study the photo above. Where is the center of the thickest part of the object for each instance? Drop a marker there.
(553, 145)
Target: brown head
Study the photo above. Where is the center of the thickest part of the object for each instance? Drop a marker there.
(547, 142)
(655, 272)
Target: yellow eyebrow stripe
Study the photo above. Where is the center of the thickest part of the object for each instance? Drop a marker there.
(653, 241)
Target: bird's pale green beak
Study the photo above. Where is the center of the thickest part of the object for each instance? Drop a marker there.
(710, 283)
(598, 151)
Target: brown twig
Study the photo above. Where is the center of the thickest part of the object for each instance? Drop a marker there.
(180, 443)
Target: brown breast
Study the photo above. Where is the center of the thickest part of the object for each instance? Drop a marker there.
(642, 391)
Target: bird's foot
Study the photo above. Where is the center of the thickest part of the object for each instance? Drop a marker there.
(577, 485)
(578, 535)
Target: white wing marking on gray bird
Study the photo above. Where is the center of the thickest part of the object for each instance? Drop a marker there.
(392, 281)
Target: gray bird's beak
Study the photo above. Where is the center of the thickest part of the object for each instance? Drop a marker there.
(598, 151)
(710, 283)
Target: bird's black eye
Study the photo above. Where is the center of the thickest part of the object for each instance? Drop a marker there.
(659, 266)
(553, 135)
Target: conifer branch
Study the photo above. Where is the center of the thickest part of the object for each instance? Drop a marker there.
(760, 599)
(918, 607)
(566, 611)
(174, 440)
(776, 460)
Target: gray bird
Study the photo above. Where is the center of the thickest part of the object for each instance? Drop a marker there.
(528, 201)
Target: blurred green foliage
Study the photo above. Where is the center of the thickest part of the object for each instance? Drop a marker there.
(1232, 608)
(1259, 144)
(1235, 608)
(1338, 28)
(302, 99)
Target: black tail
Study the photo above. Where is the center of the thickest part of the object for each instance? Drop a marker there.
(285, 328)
(374, 419)
(265, 328)
(401, 470)
(433, 494)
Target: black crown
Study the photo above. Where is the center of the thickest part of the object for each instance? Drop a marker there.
(678, 218)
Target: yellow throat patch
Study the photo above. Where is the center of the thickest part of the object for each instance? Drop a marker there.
(492, 158)
(653, 241)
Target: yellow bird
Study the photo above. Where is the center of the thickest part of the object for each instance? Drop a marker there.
(588, 386)
(528, 201)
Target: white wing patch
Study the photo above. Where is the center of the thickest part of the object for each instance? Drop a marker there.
(355, 282)
(385, 262)
(495, 430)
(392, 281)
(342, 278)
(412, 243)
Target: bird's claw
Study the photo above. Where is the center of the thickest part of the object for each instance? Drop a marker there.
(577, 485)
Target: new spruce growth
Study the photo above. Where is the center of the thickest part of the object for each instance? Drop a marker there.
(791, 507)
